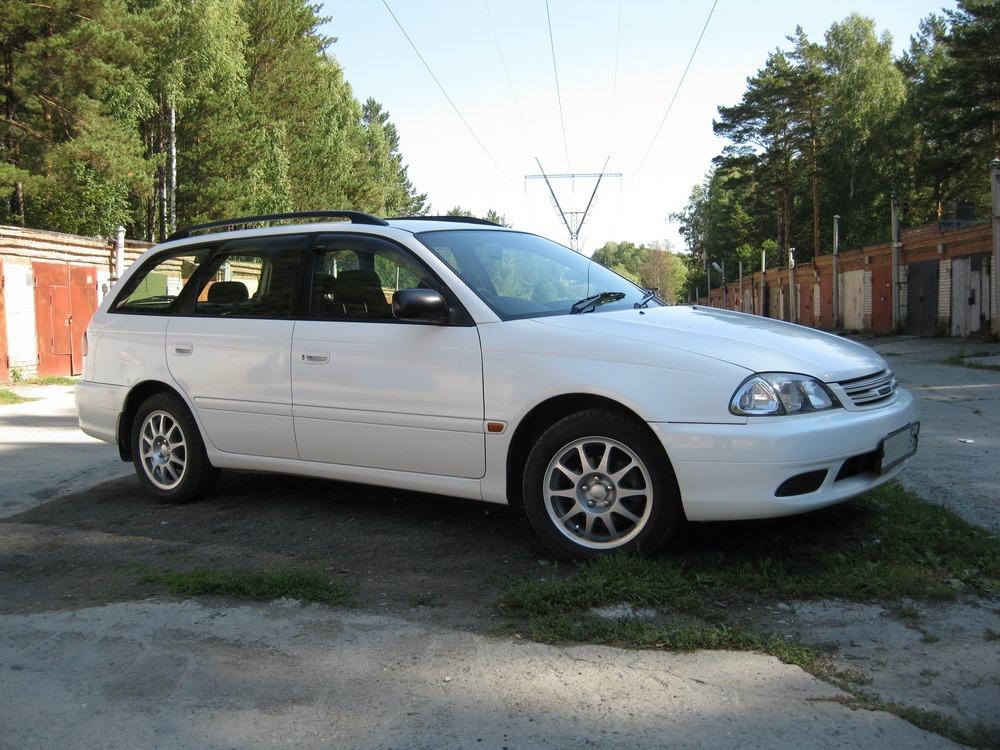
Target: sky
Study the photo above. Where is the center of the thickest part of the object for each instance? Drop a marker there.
(487, 94)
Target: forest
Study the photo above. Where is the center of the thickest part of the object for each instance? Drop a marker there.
(836, 128)
(154, 114)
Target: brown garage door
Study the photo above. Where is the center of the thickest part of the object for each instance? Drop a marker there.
(65, 300)
(882, 300)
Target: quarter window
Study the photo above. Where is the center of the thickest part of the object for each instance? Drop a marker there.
(155, 291)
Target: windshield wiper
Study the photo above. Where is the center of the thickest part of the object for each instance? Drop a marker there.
(589, 303)
(648, 297)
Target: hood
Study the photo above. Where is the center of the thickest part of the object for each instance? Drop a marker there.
(749, 341)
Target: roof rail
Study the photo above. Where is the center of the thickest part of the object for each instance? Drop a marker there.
(457, 219)
(355, 217)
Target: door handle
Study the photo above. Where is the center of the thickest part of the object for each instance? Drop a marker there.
(184, 350)
(316, 357)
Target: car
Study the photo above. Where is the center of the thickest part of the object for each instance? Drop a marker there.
(467, 359)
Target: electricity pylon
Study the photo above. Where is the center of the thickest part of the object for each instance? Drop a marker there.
(572, 219)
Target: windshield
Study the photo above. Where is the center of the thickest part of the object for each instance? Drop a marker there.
(525, 276)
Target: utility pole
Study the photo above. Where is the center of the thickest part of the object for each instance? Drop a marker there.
(896, 244)
(836, 273)
(573, 220)
(995, 271)
(793, 307)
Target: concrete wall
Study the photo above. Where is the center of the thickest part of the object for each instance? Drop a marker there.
(20, 300)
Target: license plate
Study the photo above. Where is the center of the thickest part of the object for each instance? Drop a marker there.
(898, 447)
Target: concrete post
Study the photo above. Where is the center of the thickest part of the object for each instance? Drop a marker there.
(119, 253)
(793, 297)
(836, 273)
(742, 306)
(763, 280)
(995, 270)
(708, 280)
(895, 261)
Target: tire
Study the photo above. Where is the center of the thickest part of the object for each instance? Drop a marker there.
(168, 451)
(597, 482)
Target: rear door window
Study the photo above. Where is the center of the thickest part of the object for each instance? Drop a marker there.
(256, 278)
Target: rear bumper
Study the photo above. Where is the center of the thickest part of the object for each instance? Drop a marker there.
(99, 407)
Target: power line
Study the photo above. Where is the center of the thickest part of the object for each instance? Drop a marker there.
(555, 70)
(503, 61)
(614, 81)
(453, 106)
(674, 97)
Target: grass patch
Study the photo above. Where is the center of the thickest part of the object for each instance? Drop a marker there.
(9, 397)
(264, 585)
(961, 361)
(50, 380)
(930, 721)
(886, 546)
(424, 600)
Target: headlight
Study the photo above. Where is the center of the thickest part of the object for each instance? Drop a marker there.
(781, 393)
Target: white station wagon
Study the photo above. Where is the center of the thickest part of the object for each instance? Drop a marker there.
(472, 360)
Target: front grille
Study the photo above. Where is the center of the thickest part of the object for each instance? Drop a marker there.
(871, 389)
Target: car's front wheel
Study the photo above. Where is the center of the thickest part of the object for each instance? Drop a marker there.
(168, 451)
(597, 482)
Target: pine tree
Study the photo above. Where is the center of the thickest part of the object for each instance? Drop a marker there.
(973, 75)
(71, 155)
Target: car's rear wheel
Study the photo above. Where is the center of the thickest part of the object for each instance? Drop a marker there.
(597, 482)
(168, 451)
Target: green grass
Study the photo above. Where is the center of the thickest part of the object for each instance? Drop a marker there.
(51, 380)
(887, 545)
(263, 585)
(961, 361)
(890, 544)
(881, 548)
(9, 397)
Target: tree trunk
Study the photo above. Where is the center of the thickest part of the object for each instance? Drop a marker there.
(17, 202)
(815, 196)
(172, 211)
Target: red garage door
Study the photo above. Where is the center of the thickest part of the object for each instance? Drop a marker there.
(65, 300)
(882, 299)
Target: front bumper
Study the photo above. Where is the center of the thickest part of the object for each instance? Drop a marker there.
(779, 466)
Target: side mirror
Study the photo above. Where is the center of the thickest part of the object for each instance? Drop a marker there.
(420, 306)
